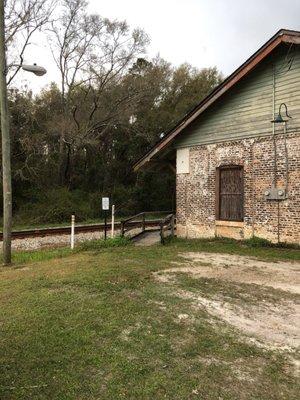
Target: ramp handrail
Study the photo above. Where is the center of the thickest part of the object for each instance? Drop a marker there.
(168, 223)
(125, 227)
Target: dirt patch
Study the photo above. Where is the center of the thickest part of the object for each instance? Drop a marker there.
(269, 325)
(272, 327)
(279, 275)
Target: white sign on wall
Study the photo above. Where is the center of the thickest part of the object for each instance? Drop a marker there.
(105, 203)
(183, 161)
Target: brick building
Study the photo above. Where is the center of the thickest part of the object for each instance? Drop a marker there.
(237, 153)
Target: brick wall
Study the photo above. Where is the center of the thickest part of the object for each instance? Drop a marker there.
(263, 218)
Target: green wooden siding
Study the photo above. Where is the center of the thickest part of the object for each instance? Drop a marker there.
(247, 109)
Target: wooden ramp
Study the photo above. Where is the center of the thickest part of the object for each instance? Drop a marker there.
(147, 238)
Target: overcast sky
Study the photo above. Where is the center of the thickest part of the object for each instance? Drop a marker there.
(204, 33)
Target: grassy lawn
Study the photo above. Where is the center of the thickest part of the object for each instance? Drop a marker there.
(96, 324)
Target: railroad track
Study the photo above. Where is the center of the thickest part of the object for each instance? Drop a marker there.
(42, 232)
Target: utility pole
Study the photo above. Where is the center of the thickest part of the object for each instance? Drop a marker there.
(6, 163)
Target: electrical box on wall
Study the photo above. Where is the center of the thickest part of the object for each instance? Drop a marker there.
(183, 161)
(275, 194)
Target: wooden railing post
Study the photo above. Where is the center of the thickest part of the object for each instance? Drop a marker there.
(167, 223)
(172, 225)
(122, 228)
(143, 222)
(162, 239)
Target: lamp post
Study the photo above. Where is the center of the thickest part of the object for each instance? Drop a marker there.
(6, 163)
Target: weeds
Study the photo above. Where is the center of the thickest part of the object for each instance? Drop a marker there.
(117, 241)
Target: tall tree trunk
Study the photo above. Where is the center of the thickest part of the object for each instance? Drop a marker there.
(6, 163)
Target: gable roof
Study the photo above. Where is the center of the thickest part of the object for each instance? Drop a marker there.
(282, 36)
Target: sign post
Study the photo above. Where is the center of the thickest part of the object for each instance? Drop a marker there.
(112, 221)
(105, 208)
(72, 231)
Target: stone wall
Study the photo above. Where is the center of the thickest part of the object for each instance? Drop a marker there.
(273, 220)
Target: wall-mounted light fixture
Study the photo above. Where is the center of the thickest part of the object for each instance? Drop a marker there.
(275, 193)
(278, 119)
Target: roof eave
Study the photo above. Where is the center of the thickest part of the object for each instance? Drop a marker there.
(283, 36)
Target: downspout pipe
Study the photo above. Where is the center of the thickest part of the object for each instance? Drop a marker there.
(273, 131)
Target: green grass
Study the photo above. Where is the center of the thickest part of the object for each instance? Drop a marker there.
(95, 324)
(233, 292)
(231, 246)
(21, 257)
(207, 245)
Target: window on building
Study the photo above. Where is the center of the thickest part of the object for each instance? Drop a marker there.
(230, 193)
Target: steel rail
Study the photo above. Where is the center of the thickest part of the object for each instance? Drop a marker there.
(65, 230)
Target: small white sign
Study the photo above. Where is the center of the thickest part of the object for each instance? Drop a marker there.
(105, 203)
(183, 161)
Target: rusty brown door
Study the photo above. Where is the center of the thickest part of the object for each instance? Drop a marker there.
(231, 193)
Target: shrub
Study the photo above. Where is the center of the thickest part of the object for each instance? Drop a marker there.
(117, 241)
(256, 241)
(56, 205)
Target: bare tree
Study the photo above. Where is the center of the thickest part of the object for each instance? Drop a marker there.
(23, 18)
(91, 53)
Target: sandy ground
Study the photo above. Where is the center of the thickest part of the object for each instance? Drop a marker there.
(268, 325)
(235, 268)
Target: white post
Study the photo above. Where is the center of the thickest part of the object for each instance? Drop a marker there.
(112, 221)
(72, 231)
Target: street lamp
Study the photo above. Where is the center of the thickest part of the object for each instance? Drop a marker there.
(35, 69)
(6, 162)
